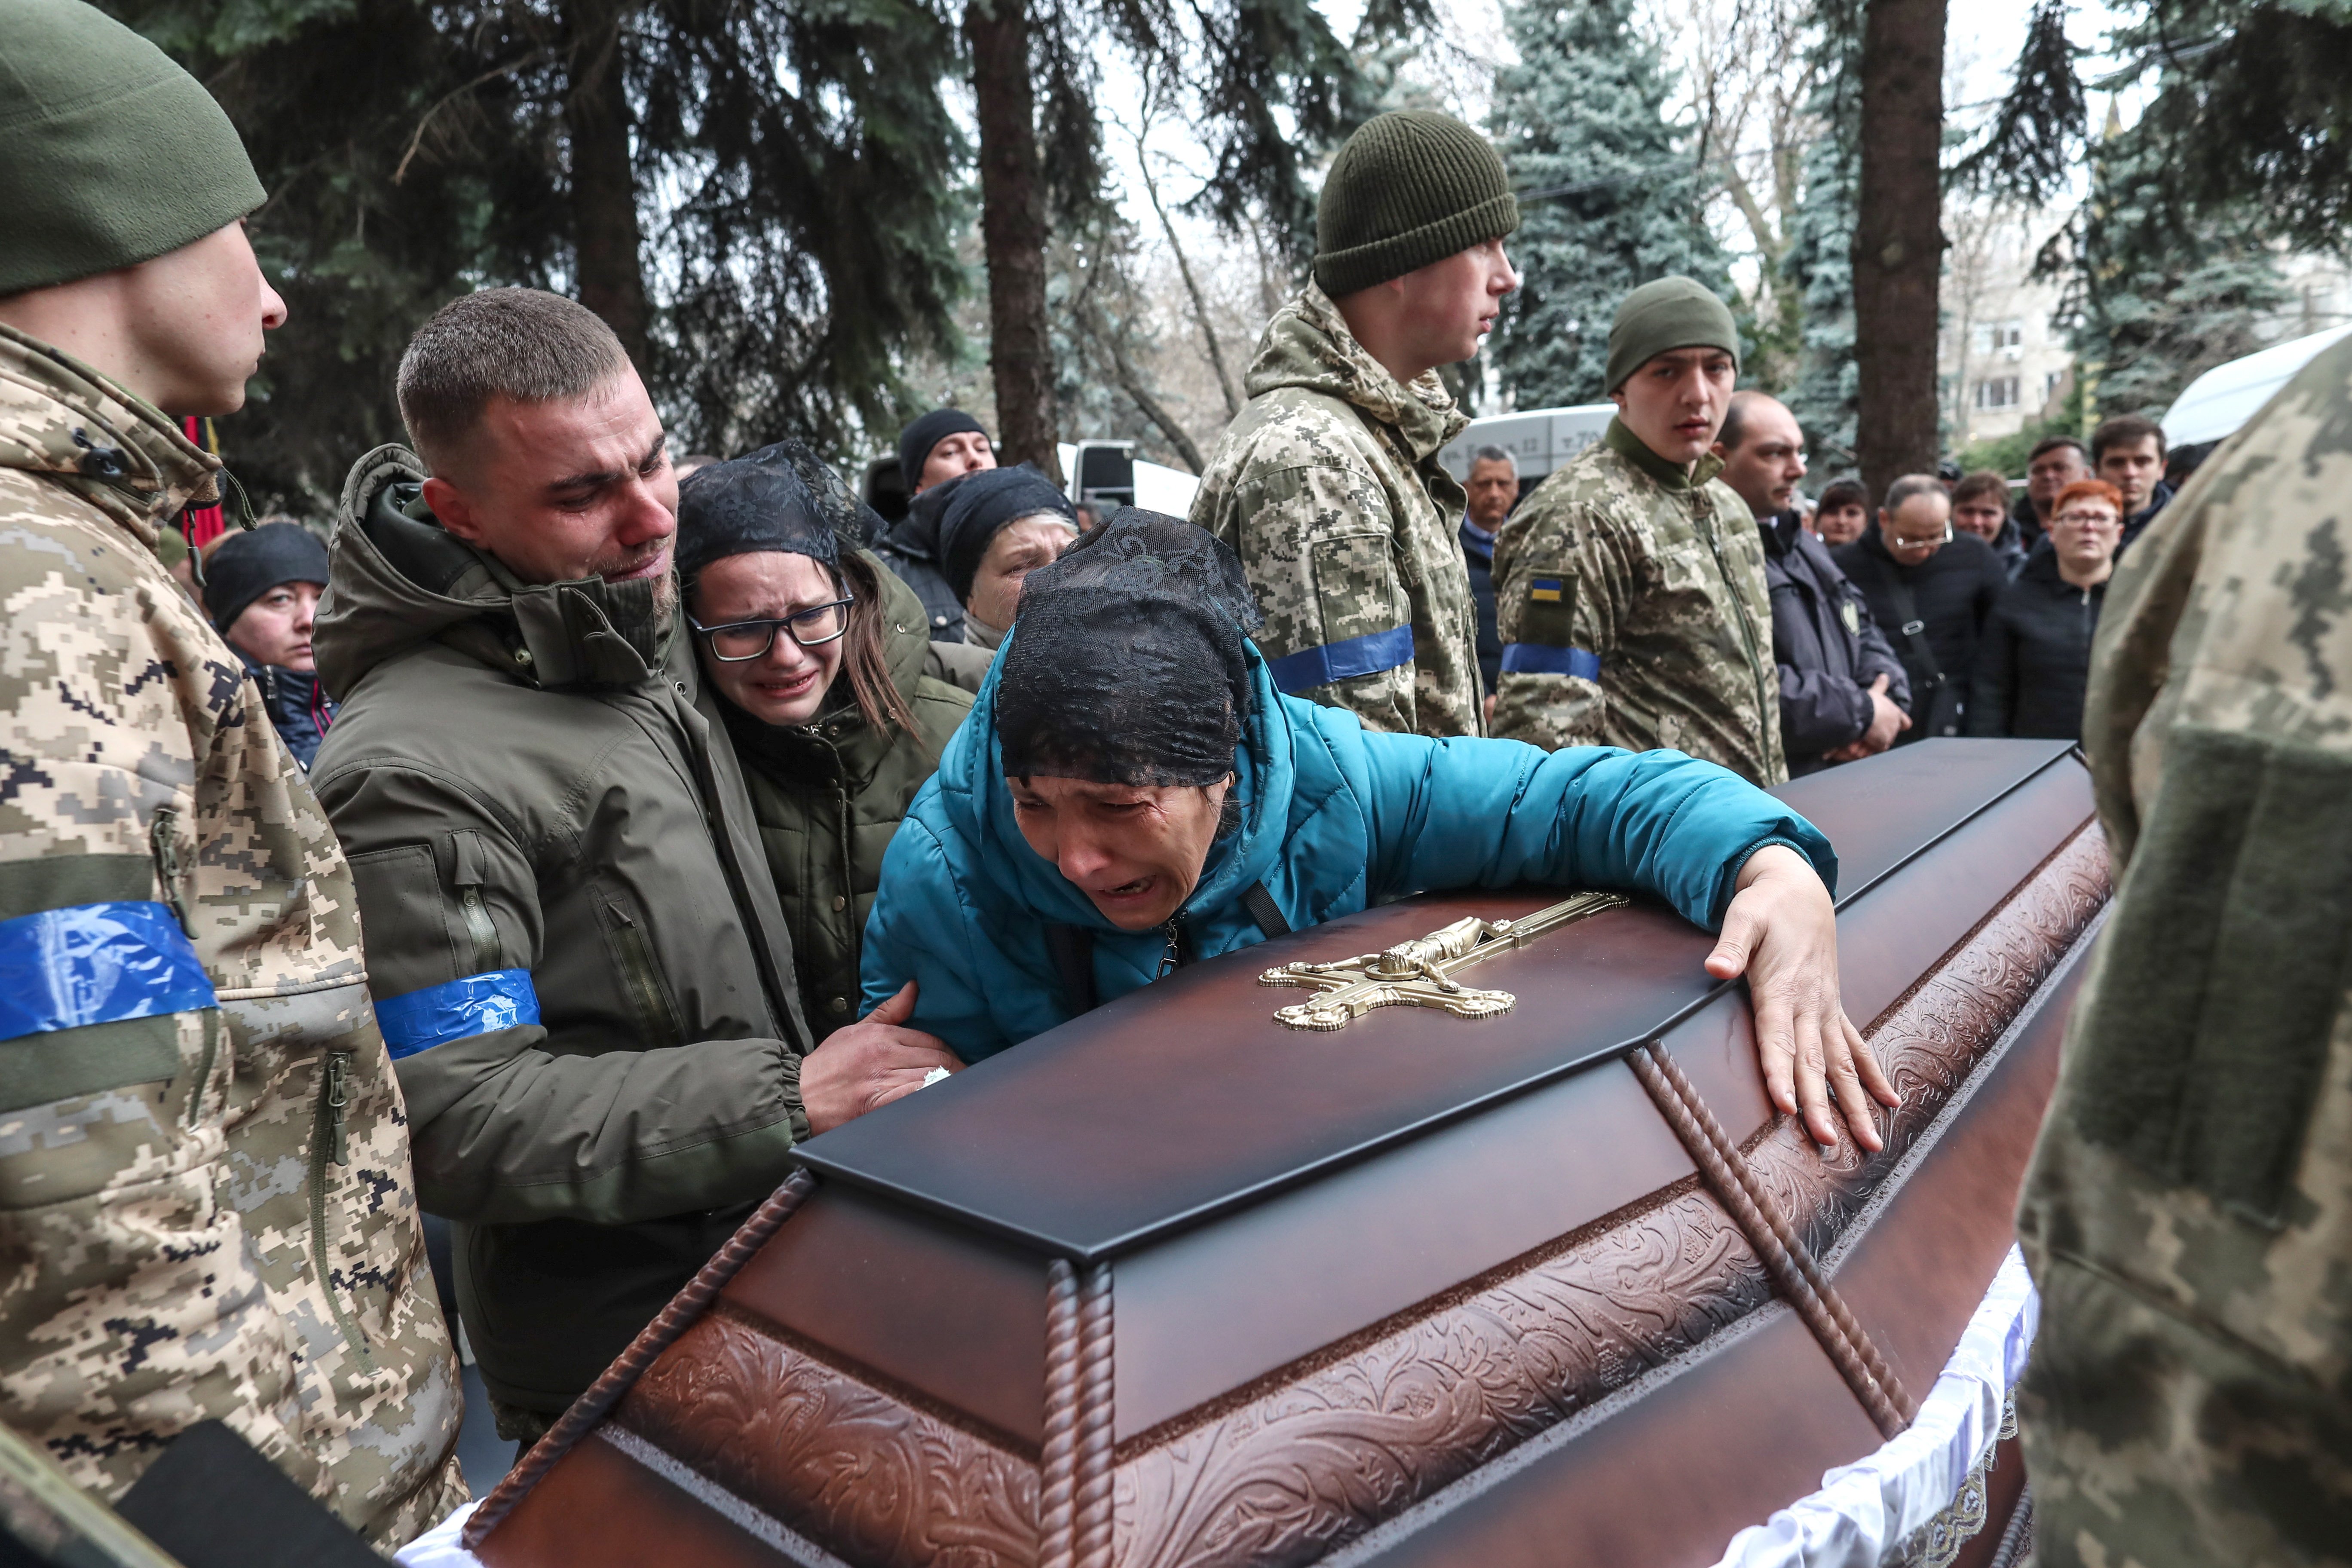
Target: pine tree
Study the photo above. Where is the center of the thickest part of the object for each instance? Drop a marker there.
(1826, 395)
(769, 222)
(1608, 202)
(2159, 293)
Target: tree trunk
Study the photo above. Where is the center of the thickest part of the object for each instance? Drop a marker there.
(1012, 233)
(1898, 237)
(603, 184)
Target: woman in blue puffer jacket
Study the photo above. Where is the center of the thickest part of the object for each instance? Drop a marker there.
(1130, 772)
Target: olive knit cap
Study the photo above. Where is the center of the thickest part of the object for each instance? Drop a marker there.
(1410, 187)
(115, 155)
(1665, 315)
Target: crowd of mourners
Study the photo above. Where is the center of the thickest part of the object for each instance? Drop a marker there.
(561, 841)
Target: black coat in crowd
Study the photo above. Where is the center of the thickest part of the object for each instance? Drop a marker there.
(2136, 523)
(2036, 656)
(1826, 643)
(1478, 554)
(911, 551)
(1952, 595)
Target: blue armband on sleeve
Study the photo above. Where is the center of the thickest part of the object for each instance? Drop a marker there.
(501, 999)
(96, 964)
(1367, 655)
(1548, 658)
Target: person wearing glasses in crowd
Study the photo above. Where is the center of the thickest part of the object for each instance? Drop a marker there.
(577, 954)
(817, 659)
(1933, 588)
(2036, 660)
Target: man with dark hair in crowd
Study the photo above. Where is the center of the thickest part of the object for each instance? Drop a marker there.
(2128, 452)
(934, 452)
(209, 1214)
(1933, 589)
(1630, 587)
(261, 589)
(1843, 692)
(2056, 462)
(1493, 487)
(576, 949)
(1327, 485)
(1980, 506)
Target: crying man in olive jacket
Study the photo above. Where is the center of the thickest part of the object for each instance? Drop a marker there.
(576, 951)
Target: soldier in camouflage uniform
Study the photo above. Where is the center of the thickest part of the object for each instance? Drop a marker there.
(2189, 1212)
(1328, 486)
(204, 1199)
(1628, 588)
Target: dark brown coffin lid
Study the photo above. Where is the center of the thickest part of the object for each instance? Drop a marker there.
(1163, 1108)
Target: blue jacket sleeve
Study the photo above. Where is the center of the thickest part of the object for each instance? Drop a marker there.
(920, 931)
(1463, 812)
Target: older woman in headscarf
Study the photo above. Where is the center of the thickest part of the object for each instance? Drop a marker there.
(1000, 525)
(1131, 770)
(825, 678)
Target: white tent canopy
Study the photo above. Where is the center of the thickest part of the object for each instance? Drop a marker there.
(2216, 403)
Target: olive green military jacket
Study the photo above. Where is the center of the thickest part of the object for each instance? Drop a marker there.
(572, 936)
(1631, 599)
(2187, 1215)
(829, 796)
(205, 1209)
(1328, 486)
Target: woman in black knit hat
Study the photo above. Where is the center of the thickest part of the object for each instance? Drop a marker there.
(261, 589)
(1001, 525)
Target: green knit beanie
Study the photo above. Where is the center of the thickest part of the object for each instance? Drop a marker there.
(114, 154)
(1668, 314)
(1410, 187)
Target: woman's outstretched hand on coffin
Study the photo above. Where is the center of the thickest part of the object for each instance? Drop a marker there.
(869, 1064)
(1782, 933)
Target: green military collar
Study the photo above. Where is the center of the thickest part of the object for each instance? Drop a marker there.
(1627, 445)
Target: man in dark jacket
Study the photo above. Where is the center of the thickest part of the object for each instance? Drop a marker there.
(261, 589)
(1933, 589)
(575, 947)
(1494, 488)
(1842, 692)
(2056, 462)
(933, 453)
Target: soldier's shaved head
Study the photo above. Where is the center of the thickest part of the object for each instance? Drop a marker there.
(521, 343)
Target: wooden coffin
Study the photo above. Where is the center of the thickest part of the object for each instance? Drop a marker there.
(1175, 1285)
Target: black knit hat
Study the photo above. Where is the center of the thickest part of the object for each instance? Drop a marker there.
(985, 503)
(1410, 187)
(1128, 665)
(916, 441)
(249, 563)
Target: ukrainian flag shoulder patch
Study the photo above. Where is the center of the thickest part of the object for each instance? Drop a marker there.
(1544, 590)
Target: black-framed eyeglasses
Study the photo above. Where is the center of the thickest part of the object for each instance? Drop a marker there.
(739, 642)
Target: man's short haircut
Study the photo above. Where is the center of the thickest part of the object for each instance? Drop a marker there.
(1911, 485)
(2049, 444)
(1839, 494)
(1493, 455)
(523, 343)
(2125, 430)
(1983, 482)
(1735, 417)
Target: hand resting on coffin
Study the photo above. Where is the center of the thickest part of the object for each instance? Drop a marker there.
(1781, 930)
(869, 1064)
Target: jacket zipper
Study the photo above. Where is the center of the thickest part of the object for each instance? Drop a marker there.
(1746, 635)
(1173, 959)
(643, 981)
(330, 1145)
(164, 844)
(478, 928)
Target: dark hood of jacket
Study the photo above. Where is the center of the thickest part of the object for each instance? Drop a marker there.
(400, 579)
(916, 534)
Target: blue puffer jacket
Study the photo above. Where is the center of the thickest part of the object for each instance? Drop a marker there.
(1332, 816)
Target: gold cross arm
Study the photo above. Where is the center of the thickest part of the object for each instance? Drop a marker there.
(1420, 973)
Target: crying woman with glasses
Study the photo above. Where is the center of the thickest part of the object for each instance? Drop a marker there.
(837, 700)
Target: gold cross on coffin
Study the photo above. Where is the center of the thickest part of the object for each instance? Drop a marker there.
(1420, 973)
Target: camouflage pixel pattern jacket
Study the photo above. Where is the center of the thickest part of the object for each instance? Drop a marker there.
(1328, 486)
(205, 1209)
(2187, 1215)
(1633, 610)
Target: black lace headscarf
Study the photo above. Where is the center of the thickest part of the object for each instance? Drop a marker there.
(779, 498)
(1127, 665)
